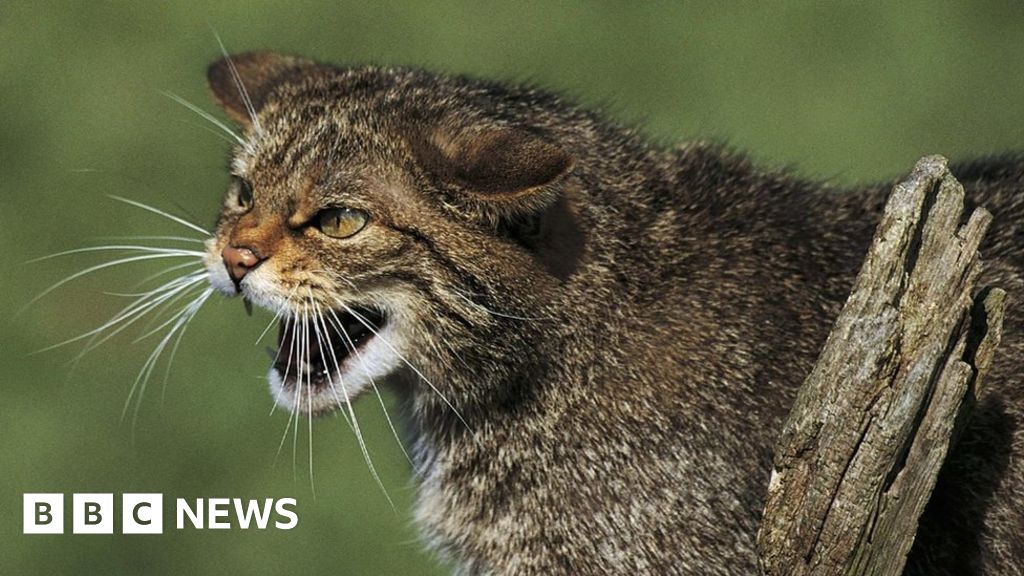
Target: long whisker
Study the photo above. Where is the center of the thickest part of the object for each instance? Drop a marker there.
(177, 343)
(133, 311)
(352, 415)
(309, 416)
(98, 267)
(180, 327)
(277, 355)
(172, 217)
(352, 347)
(154, 311)
(147, 368)
(249, 108)
(267, 329)
(277, 315)
(155, 237)
(157, 313)
(298, 389)
(168, 270)
(320, 346)
(292, 352)
(334, 390)
(147, 302)
(207, 128)
(292, 317)
(370, 327)
(141, 311)
(120, 248)
(205, 116)
(174, 352)
(158, 328)
(318, 319)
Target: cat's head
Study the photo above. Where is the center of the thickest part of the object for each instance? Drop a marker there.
(397, 221)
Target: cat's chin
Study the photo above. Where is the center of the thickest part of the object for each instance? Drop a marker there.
(311, 376)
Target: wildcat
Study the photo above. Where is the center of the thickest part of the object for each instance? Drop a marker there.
(595, 339)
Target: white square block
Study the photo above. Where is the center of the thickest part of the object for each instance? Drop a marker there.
(92, 514)
(42, 514)
(142, 513)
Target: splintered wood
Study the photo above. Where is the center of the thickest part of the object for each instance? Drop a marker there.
(860, 452)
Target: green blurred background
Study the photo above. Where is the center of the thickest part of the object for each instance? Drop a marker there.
(850, 92)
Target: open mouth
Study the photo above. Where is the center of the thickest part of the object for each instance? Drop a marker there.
(315, 350)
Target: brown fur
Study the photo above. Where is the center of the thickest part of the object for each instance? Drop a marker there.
(642, 316)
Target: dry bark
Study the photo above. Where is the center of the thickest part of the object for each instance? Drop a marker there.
(859, 454)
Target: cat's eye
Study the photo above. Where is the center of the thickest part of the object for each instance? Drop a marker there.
(341, 222)
(243, 193)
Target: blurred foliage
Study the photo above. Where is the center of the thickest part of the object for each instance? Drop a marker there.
(847, 91)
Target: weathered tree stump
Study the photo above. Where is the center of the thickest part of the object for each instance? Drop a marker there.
(859, 454)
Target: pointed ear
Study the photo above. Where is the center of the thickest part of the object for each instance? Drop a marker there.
(494, 163)
(241, 83)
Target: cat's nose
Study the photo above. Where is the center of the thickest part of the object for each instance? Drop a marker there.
(239, 261)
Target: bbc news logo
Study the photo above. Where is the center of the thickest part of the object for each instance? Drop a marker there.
(144, 513)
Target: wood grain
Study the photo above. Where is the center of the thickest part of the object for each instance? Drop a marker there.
(859, 454)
